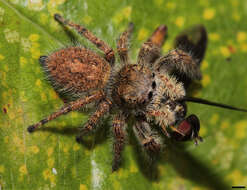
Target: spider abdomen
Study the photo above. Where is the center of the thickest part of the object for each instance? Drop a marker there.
(77, 70)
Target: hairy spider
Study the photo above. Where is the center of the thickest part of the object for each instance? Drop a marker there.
(152, 91)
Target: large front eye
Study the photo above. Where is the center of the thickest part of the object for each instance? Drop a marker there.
(150, 95)
(154, 85)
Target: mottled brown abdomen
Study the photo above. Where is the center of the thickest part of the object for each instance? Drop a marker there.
(77, 70)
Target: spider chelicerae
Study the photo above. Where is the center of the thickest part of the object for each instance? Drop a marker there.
(153, 90)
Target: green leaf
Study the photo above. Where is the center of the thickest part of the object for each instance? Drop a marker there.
(51, 159)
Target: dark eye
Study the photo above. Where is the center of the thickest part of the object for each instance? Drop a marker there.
(154, 85)
(150, 95)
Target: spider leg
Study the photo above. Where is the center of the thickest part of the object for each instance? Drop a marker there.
(181, 62)
(91, 124)
(75, 105)
(193, 40)
(123, 43)
(150, 50)
(158, 36)
(146, 137)
(119, 136)
(109, 53)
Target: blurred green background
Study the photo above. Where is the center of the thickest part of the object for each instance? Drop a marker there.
(51, 158)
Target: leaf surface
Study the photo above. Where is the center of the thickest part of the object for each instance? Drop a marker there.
(51, 158)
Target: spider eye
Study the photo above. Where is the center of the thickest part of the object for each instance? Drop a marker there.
(150, 95)
(154, 85)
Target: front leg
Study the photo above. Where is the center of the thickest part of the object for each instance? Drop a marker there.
(193, 40)
(158, 36)
(180, 64)
(123, 43)
(150, 50)
(147, 138)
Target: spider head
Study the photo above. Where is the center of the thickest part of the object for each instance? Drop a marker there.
(166, 107)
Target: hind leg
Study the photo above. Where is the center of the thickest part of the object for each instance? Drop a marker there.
(109, 53)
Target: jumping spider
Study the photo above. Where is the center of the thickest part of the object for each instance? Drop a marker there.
(151, 91)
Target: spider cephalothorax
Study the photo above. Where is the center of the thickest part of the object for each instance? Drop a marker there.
(132, 87)
(152, 90)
